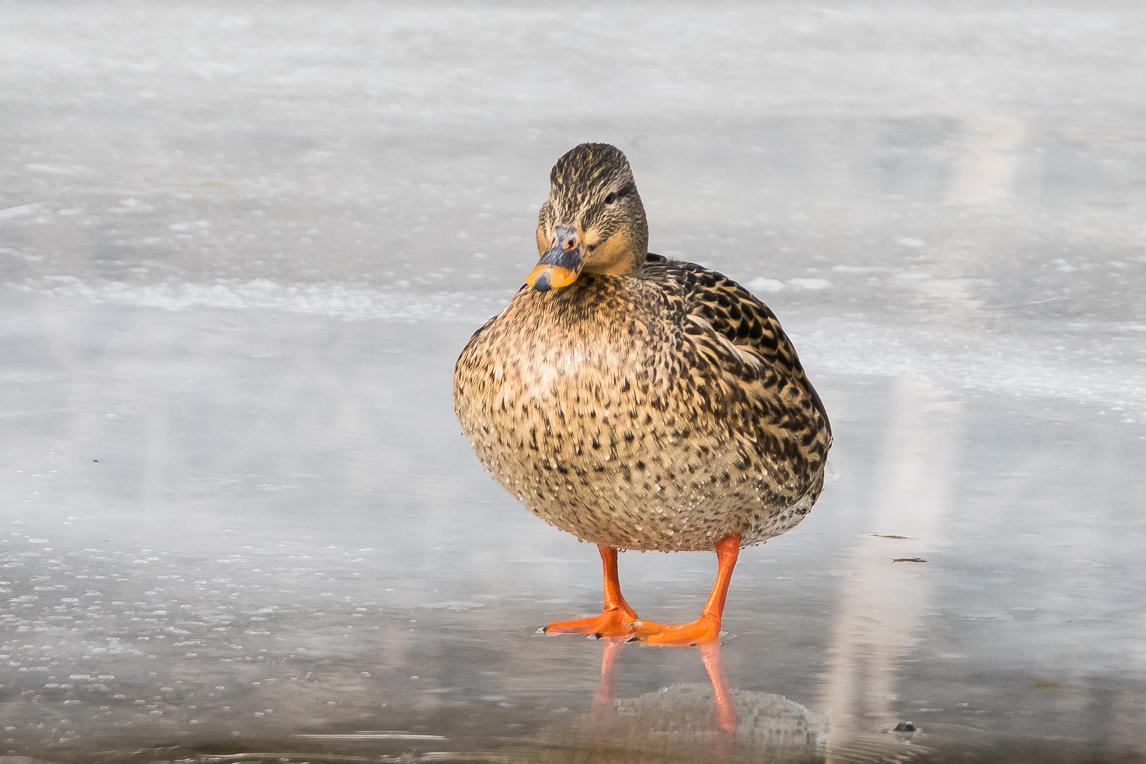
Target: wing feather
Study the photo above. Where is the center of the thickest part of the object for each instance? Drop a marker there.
(746, 327)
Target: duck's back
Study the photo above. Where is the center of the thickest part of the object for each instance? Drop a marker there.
(772, 398)
(738, 316)
(659, 411)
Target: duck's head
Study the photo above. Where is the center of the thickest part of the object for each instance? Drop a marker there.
(593, 220)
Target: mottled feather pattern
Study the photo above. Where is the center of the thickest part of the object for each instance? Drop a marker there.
(737, 315)
(658, 411)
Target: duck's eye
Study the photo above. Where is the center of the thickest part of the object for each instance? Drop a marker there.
(611, 198)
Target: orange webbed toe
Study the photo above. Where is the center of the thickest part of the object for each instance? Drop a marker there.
(704, 630)
(610, 623)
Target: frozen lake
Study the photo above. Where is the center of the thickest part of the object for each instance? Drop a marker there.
(242, 244)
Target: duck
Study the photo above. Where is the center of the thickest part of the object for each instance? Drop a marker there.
(639, 402)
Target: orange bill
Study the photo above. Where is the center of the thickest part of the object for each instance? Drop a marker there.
(557, 268)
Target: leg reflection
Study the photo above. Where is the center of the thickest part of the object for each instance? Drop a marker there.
(724, 717)
(724, 710)
(689, 721)
(603, 698)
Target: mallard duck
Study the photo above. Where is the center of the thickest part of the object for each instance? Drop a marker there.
(638, 402)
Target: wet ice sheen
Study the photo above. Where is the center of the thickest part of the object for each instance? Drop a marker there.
(240, 249)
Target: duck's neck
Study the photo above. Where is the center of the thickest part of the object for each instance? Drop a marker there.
(594, 297)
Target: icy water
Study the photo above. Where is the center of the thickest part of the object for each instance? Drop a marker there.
(242, 244)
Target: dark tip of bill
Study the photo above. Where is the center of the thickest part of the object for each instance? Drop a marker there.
(542, 283)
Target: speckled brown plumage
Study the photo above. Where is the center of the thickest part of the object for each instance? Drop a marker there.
(659, 411)
(652, 404)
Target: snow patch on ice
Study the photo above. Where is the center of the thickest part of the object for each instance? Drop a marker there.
(910, 242)
(762, 284)
(326, 299)
(812, 284)
(963, 359)
(21, 210)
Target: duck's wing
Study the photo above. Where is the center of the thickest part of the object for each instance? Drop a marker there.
(738, 316)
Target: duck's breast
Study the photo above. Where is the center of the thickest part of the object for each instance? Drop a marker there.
(587, 424)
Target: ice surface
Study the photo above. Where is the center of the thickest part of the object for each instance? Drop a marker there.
(241, 246)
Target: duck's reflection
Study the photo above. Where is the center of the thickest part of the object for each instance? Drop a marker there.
(695, 721)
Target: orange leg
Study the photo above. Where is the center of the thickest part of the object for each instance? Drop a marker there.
(706, 628)
(616, 618)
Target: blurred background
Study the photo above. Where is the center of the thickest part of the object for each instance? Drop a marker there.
(241, 245)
